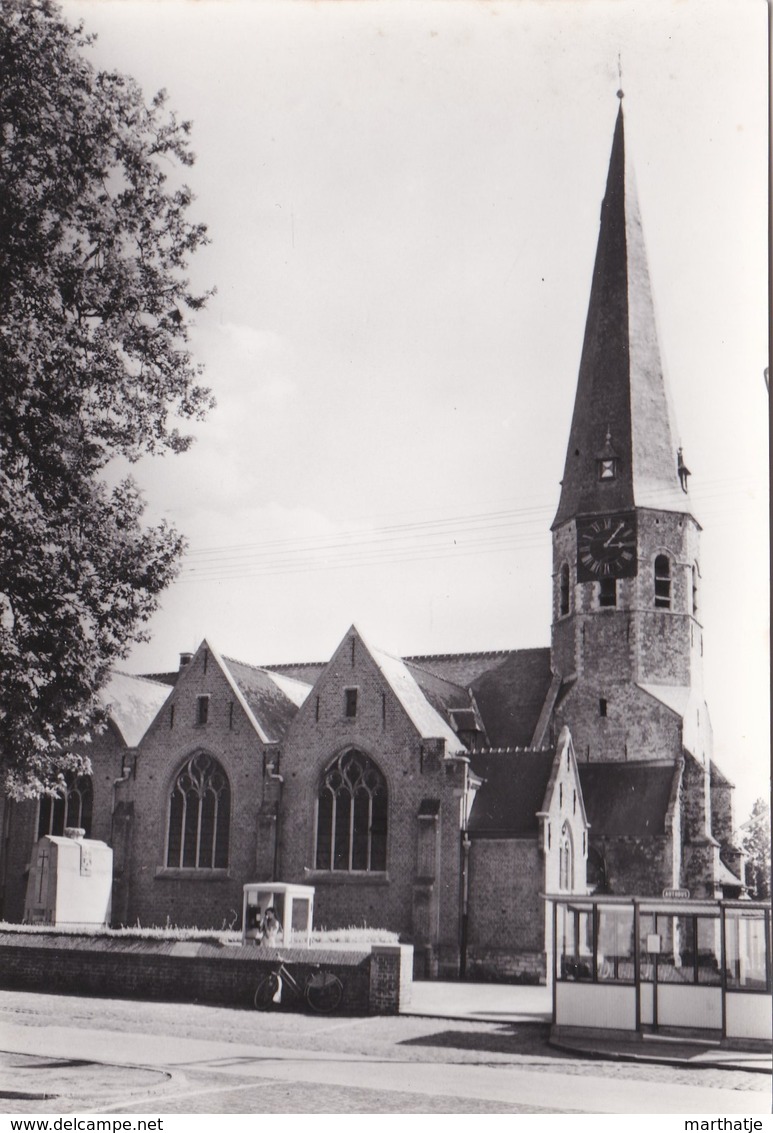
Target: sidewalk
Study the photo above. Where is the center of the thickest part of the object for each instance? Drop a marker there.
(667, 1052)
(488, 1003)
(508, 1003)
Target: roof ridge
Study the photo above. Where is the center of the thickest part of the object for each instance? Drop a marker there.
(474, 654)
(272, 668)
(435, 676)
(149, 678)
(513, 750)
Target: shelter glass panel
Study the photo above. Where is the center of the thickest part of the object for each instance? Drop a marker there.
(747, 943)
(615, 945)
(574, 954)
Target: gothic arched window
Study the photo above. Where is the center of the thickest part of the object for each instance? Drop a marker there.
(563, 591)
(199, 815)
(695, 578)
(663, 582)
(565, 860)
(71, 807)
(351, 815)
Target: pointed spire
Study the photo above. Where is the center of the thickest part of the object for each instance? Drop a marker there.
(622, 403)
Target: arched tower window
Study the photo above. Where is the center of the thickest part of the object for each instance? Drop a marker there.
(199, 815)
(663, 582)
(351, 815)
(73, 806)
(563, 591)
(565, 860)
(695, 582)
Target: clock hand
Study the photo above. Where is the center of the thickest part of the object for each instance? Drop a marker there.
(619, 527)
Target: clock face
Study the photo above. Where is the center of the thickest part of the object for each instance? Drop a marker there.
(606, 547)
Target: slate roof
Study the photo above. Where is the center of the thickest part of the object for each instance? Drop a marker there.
(511, 694)
(508, 691)
(513, 790)
(133, 704)
(626, 798)
(428, 721)
(622, 396)
(273, 698)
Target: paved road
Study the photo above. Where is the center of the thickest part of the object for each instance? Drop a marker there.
(216, 1060)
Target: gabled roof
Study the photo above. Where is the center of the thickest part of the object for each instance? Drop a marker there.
(622, 405)
(627, 798)
(133, 703)
(273, 698)
(513, 790)
(499, 694)
(429, 723)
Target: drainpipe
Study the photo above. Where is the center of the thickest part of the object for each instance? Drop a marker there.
(465, 887)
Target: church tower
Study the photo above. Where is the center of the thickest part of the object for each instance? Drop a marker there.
(627, 639)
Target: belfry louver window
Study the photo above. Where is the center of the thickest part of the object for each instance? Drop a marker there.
(663, 582)
(608, 592)
(563, 595)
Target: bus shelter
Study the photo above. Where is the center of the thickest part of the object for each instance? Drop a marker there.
(645, 965)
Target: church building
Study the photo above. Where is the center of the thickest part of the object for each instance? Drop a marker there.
(443, 796)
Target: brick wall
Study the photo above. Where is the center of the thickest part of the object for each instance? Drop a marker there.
(506, 917)
(195, 972)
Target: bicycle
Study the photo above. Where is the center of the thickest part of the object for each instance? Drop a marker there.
(322, 992)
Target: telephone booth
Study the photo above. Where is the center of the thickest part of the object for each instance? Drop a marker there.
(293, 907)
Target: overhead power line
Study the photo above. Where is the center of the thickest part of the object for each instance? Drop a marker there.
(505, 530)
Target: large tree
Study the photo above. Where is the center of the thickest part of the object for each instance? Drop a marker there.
(94, 363)
(755, 842)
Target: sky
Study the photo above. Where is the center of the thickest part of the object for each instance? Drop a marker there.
(403, 202)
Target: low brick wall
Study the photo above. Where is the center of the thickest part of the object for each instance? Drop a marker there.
(499, 965)
(376, 981)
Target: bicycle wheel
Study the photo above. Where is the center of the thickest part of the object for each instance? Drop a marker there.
(324, 992)
(266, 990)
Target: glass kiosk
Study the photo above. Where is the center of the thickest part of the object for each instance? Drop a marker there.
(293, 908)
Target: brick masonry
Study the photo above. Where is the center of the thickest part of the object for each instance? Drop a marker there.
(417, 895)
(375, 982)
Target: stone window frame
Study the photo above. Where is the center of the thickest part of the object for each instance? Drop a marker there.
(351, 772)
(200, 777)
(566, 860)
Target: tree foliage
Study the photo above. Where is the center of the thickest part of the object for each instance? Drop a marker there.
(755, 843)
(94, 363)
